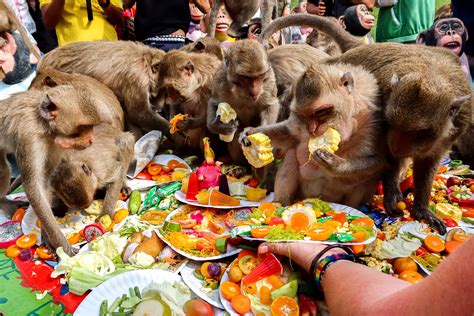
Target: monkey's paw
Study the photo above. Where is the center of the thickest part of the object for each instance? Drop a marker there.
(390, 204)
(125, 190)
(328, 160)
(431, 219)
(218, 127)
(185, 124)
(243, 137)
(70, 250)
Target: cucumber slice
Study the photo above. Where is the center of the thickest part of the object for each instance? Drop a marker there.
(221, 245)
(171, 227)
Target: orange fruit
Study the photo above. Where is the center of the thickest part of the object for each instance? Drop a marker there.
(364, 221)
(410, 276)
(404, 264)
(259, 232)
(18, 215)
(172, 164)
(452, 245)
(320, 232)
(285, 306)
(26, 241)
(44, 253)
(12, 251)
(162, 178)
(241, 304)
(154, 170)
(299, 221)
(74, 238)
(460, 237)
(229, 290)
(434, 243)
(120, 215)
(265, 297)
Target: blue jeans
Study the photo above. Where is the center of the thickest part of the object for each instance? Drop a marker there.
(165, 46)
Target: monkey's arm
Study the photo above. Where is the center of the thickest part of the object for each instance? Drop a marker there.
(5, 174)
(211, 30)
(270, 114)
(52, 13)
(424, 170)
(30, 158)
(192, 122)
(391, 187)
(279, 134)
(214, 123)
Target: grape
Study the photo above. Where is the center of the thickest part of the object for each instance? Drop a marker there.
(214, 270)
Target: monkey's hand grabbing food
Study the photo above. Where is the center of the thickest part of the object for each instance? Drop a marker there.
(217, 127)
(259, 153)
(421, 214)
(226, 114)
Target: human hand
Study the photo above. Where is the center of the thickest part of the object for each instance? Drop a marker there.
(321, 8)
(301, 253)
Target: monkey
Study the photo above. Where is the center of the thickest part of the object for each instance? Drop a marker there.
(321, 41)
(37, 127)
(289, 62)
(245, 81)
(107, 104)
(209, 45)
(345, 98)
(103, 165)
(187, 79)
(427, 104)
(129, 69)
(9, 23)
(240, 11)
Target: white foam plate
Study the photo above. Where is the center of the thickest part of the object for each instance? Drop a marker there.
(187, 273)
(180, 196)
(119, 285)
(231, 250)
(337, 207)
(422, 230)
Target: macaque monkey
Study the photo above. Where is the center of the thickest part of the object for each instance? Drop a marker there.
(427, 103)
(9, 23)
(37, 126)
(209, 45)
(103, 165)
(342, 97)
(245, 81)
(187, 79)
(241, 11)
(323, 42)
(107, 104)
(129, 69)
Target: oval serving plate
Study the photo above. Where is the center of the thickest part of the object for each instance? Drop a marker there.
(180, 196)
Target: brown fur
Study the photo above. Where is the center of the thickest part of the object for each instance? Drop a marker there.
(35, 126)
(209, 45)
(188, 80)
(427, 103)
(240, 11)
(9, 23)
(343, 97)
(103, 165)
(129, 69)
(108, 106)
(323, 42)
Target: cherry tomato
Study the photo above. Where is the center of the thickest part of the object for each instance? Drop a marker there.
(154, 170)
(450, 222)
(144, 175)
(421, 252)
(276, 220)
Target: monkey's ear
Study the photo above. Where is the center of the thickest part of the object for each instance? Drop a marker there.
(155, 66)
(347, 80)
(342, 22)
(48, 110)
(200, 46)
(49, 82)
(421, 38)
(188, 69)
(395, 80)
(456, 105)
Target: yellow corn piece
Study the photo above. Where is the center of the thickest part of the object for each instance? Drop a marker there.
(175, 120)
(259, 153)
(329, 141)
(226, 114)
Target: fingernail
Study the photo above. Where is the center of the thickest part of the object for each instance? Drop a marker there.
(263, 249)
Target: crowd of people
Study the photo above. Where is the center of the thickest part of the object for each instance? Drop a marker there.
(169, 25)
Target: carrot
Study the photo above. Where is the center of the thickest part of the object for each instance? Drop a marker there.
(468, 213)
(452, 245)
(229, 290)
(434, 243)
(241, 304)
(265, 297)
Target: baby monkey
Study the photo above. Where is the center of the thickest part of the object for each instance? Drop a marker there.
(103, 165)
(344, 98)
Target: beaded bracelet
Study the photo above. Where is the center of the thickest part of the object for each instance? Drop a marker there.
(318, 266)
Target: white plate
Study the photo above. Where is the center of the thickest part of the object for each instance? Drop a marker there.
(226, 303)
(337, 207)
(422, 230)
(231, 250)
(119, 285)
(187, 273)
(28, 224)
(163, 160)
(180, 196)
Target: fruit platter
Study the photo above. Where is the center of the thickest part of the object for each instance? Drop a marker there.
(312, 220)
(198, 234)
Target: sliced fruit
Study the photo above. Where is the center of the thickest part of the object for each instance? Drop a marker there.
(410, 276)
(44, 253)
(241, 304)
(276, 282)
(247, 264)
(120, 215)
(74, 238)
(229, 290)
(26, 241)
(18, 215)
(404, 264)
(250, 288)
(359, 236)
(204, 270)
(172, 164)
(221, 245)
(320, 231)
(259, 232)
(452, 245)
(288, 290)
(265, 298)
(434, 243)
(285, 306)
(220, 199)
(364, 221)
(12, 251)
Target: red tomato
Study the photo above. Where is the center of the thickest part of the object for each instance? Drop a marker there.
(406, 184)
(197, 307)
(276, 220)
(420, 252)
(450, 222)
(143, 176)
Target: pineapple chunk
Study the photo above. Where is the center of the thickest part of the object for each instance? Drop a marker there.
(329, 141)
(444, 210)
(259, 153)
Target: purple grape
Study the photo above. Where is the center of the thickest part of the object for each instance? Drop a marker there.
(214, 270)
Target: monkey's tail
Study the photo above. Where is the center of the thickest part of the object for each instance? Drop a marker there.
(342, 38)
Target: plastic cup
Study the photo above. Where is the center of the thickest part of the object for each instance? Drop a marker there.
(269, 266)
(193, 187)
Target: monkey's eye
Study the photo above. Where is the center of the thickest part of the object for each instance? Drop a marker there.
(454, 111)
(86, 169)
(443, 28)
(456, 26)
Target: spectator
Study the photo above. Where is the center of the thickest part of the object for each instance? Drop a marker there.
(196, 27)
(164, 23)
(82, 20)
(320, 7)
(354, 289)
(401, 21)
(340, 6)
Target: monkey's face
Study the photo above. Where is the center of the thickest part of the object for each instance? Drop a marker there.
(74, 183)
(248, 87)
(423, 119)
(70, 115)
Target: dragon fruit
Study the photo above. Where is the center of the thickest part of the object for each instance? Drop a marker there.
(209, 172)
